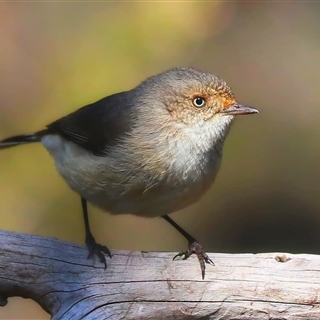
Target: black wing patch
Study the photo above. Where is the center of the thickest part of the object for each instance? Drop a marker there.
(98, 126)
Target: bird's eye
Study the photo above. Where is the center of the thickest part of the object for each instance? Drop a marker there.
(199, 102)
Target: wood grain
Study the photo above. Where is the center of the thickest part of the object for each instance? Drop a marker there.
(149, 285)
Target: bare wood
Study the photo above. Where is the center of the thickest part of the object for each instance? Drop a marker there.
(141, 285)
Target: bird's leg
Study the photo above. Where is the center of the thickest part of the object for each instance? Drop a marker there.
(93, 247)
(193, 247)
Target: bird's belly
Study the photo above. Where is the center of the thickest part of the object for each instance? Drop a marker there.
(137, 198)
(114, 188)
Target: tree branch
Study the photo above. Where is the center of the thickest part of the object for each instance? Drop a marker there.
(149, 285)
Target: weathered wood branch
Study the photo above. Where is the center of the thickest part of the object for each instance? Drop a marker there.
(149, 285)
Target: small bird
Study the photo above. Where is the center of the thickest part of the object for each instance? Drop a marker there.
(148, 151)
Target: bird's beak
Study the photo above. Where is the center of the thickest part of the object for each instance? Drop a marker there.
(239, 109)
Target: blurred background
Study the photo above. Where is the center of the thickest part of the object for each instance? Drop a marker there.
(57, 57)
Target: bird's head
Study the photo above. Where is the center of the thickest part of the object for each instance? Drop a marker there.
(197, 102)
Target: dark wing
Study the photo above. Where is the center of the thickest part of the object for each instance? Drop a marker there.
(97, 126)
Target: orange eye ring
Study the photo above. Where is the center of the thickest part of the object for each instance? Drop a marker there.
(199, 102)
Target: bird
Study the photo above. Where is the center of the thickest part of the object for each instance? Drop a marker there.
(148, 151)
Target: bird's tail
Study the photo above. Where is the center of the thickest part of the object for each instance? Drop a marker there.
(21, 139)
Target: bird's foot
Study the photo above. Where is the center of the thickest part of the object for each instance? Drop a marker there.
(195, 248)
(96, 249)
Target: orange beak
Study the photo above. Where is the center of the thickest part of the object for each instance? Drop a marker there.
(239, 109)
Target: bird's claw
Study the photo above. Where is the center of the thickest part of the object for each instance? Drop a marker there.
(195, 248)
(96, 249)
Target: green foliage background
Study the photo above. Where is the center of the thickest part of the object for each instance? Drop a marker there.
(58, 56)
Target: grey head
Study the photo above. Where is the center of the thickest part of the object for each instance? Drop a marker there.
(193, 104)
